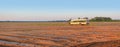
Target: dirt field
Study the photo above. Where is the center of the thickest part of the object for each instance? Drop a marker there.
(59, 34)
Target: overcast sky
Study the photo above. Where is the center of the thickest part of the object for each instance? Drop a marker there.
(57, 9)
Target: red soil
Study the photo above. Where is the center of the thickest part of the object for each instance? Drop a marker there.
(19, 35)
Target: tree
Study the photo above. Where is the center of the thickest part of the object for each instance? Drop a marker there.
(101, 19)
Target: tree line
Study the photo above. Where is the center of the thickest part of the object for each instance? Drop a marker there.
(103, 19)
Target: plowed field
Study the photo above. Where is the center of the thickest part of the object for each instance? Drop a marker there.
(59, 34)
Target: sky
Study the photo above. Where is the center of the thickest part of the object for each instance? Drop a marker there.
(40, 10)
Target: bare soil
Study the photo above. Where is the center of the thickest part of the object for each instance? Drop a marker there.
(59, 34)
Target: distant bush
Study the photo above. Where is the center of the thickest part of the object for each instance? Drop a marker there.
(116, 20)
(101, 19)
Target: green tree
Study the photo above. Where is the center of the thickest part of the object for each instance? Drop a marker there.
(101, 19)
